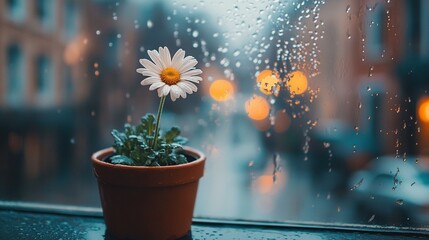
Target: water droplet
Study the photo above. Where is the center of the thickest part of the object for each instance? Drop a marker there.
(72, 141)
(371, 69)
(195, 33)
(348, 9)
(371, 218)
(358, 184)
(98, 32)
(399, 202)
(149, 24)
(236, 53)
(326, 144)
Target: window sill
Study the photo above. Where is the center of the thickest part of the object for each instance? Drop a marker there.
(40, 221)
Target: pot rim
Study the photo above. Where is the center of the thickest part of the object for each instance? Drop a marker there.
(100, 154)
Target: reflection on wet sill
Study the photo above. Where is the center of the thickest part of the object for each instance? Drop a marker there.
(38, 221)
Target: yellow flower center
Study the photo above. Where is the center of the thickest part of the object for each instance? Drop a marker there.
(170, 76)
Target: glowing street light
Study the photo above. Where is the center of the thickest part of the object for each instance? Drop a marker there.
(257, 108)
(423, 109)
(221, 90)
(297, 82)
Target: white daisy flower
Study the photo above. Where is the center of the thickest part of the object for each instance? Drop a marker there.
(176, 75)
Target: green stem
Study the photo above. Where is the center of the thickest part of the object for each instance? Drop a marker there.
(158, 119)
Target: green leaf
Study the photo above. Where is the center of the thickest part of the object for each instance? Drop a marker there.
(119, 140)
(121, 159)
(133, 146)
(181, 159)
(171, 134)
(148, 124)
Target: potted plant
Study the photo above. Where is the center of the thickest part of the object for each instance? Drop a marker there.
(148, 181)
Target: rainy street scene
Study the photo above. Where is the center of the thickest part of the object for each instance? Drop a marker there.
(308, 111)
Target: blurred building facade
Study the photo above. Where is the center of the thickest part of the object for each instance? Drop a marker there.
(42, 80)
(368, 42)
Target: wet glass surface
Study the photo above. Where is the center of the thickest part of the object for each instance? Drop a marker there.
(310, 110)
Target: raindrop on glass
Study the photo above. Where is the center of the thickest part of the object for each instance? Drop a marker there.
(348, 9)
(371, 69)
(149, 24)
(195, 33)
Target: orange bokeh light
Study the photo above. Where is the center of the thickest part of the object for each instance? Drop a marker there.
(270, 85)
(297, 82)
(221, 90)
(265, 73)
(257, 108)
(423, 109)
(71, 53)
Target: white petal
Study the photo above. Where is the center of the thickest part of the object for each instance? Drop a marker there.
(183, 94)
(190, 85)
(165, 90)
(187, 64)
(150, 80)
(150, 66)
(165, 56)
(173, 96)
(160, 91)
(140, 70)
(178, 58)
(149, 73)
(175, 92)
(154, 55)
(194, 79)
(156, 85)
(185, 87)
(191, 73)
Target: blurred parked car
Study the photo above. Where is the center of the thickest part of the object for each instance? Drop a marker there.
(392, 190)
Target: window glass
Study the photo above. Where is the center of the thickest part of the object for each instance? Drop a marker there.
(16, 9)
(14, 75)
(310, 110)
(44, 79)
(44, 11)
(70, 19)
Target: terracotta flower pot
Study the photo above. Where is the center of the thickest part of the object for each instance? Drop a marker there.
(148, 202)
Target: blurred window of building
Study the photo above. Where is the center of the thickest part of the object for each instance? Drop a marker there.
(71, 16)
(16, 9)
(44, 10)
(44, 78)
(375, 29)
(15, 75)
(412, 26)
(68, 84)
(424, 26)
